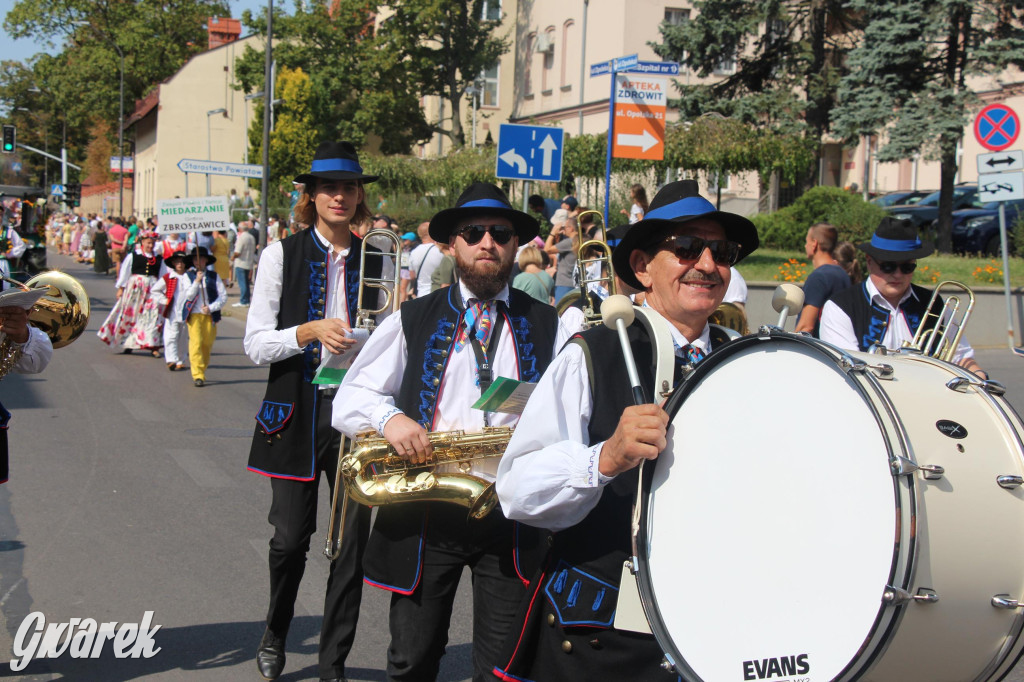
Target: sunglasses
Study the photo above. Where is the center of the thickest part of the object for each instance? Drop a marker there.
(687, 248)
(905, 268)
(473, 234)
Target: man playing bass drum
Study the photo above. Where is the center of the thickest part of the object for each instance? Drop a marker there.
(421, 371)
(575, 470)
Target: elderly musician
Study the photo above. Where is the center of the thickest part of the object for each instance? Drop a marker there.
(575, 470)
(303, 306)
(420, 372)
(32, 349)
(886, 309)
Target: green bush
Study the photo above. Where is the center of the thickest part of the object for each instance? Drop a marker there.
(855, 218)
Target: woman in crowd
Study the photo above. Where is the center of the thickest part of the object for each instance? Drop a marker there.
(135, 320)
(638, 195)
(533, 279)
(564, 241)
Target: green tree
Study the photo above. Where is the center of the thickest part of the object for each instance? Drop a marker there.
(360, 93)
(908, 78)
(293, 139)
(788, 57)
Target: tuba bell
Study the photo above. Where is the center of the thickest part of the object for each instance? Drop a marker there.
(62, 313)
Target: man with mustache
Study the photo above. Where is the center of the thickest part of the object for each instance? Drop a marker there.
(421, 371)
(575, 470)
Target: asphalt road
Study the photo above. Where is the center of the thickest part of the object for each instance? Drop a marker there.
(129, 494)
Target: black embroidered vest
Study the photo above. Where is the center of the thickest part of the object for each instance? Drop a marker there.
(394, 554)
(283, 442)
(870, 321)
(211, 295)
(141, 265)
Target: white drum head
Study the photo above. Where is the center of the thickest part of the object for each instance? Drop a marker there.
(772, 520)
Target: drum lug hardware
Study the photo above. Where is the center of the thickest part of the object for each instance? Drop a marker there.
(895, 596)
(850, 364)
(630, 565)
(764, 332)
(667, 664)
(901, 466)
(666, 390)
(1003, 601)
(883, 371)
(1010, 481)
(960, 384)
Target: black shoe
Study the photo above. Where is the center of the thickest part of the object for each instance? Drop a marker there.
(332, 679)
(198, 382)
(270, 655)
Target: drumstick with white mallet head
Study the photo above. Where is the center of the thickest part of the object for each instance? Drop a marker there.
(617, 313)
(787, 300)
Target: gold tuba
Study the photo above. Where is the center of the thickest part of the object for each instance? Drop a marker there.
(589, 252)
(375, 475)
(936, 342)
(62, 314)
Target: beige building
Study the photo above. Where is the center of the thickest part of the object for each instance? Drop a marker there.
(195, 114)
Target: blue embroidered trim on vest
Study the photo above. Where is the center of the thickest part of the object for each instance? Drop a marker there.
(315, 311)
(352, 278)
(434, 361)
(586, 587)
(521, 328)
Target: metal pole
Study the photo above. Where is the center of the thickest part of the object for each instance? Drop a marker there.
(608, 158)
(268, 103)
(475, 97)
(209, 153)
(120, 137)
(1010, 338)
(583, 62)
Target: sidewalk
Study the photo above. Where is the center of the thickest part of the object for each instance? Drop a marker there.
(229, 310)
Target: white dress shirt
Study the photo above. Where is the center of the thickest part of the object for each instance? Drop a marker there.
(366, 399)
(35, 353)
(548, 476)
(264, 343)
(197, 290)
(159, 294)
(836, 327)
(18, 248)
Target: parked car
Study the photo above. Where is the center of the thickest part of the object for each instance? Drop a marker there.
(925, 212)
(976, 230)
(905, 197)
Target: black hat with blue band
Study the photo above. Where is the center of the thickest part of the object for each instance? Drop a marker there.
(335, 161)
(896, 241)
(482, 199)
(675, 204)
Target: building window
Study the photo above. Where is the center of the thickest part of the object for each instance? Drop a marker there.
(716, 182)
(675, 17)
(491, 10)
(547, 50)
(489, 77)
(726, 67)
(566, 28)
(531, 41)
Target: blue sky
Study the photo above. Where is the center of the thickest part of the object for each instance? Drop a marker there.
(24, 48)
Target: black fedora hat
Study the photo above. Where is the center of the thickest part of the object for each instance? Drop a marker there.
(335, 161)
(896, 240)
(203, 251)
(675, 204)
(482, 198)
(169, 258)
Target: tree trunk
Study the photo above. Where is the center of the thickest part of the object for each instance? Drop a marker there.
(458, 134)
(944, 223)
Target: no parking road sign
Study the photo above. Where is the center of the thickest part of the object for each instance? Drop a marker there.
(996, 127)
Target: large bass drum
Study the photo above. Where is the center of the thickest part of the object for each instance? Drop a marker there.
(822, 515)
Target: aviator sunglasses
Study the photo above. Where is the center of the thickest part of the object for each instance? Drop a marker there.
(889, 267)
(501, 234)
(689, 248)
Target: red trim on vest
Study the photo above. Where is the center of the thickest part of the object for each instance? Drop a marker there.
(172, 284)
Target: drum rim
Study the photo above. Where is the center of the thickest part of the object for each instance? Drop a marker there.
(887, 617)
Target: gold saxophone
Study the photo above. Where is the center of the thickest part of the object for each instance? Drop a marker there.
(375, 475)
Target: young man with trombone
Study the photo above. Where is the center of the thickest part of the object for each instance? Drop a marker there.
(888, 310)
(415, 383)
(303, 307)
(576, 470)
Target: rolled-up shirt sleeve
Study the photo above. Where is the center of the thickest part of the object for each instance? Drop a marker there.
(264, 343)
(548, 476)
(365, 400)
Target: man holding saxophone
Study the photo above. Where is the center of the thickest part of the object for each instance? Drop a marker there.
(303, 306)
(420, 372)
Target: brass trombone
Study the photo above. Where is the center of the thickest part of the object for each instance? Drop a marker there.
(606, 276)
(364, 320)
(936, 341)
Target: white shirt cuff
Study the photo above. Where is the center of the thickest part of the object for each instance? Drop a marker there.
(382, 414)
(586, 473)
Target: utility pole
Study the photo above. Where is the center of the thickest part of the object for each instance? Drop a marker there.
(268, 103)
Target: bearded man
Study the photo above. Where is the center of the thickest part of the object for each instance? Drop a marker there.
(422, 370)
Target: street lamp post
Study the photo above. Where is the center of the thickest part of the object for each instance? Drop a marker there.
(474, 92)
(209, 157)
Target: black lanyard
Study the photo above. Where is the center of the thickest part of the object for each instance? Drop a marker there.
(483, 364)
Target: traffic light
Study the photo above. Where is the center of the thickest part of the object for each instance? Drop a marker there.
(9, 134)
(73, 194)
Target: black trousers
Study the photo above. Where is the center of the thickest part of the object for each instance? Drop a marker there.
(419, 622)
(293, 515)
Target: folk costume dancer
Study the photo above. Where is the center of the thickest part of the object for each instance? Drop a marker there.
(12, 246)
(575, 470)
(169, 291)
(886, 309)
(135, 321)
(302, 307)
(36, 350)
(422, 371)
(204, 299)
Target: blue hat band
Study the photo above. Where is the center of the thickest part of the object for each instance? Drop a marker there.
(485, 203)
(690, 206)
(895, 244)
(327, 165)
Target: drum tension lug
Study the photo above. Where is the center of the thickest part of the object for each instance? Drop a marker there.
(630, 565)
(667, 664)
(1010, 481)
(1003, 601)
(764, 332)
(883, 371)
(895, 596)
(901, 466)
(850, 364)
(960, 384)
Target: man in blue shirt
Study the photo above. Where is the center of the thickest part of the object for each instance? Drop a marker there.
(542, 206)
(828, 277)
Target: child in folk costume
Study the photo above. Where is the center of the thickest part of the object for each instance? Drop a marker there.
(170, 292)
(205, 297)
(135, 320)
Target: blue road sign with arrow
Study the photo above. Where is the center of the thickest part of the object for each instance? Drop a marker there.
(530, 152)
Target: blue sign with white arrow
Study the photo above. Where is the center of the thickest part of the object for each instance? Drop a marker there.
(530, 152)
